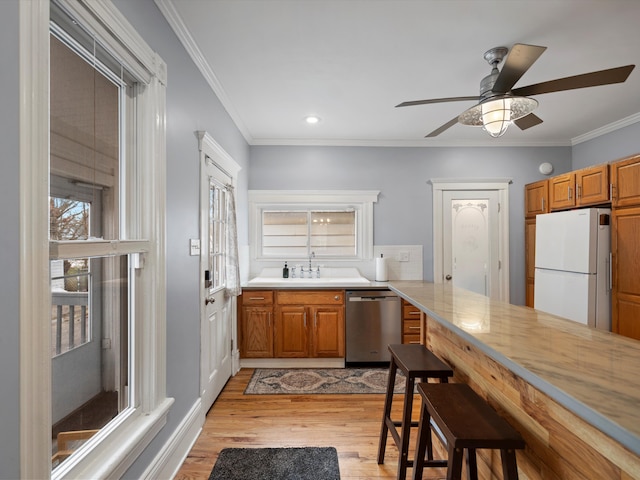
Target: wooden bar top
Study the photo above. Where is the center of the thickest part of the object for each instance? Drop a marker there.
(592, 373)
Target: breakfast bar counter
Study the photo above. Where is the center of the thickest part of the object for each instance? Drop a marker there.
(572, 391)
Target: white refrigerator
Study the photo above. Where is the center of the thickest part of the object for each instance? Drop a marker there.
(572, 277)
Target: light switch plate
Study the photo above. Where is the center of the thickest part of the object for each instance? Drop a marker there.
(194, 246)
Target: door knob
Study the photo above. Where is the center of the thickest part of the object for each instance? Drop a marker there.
(448, 277)
(209, 300)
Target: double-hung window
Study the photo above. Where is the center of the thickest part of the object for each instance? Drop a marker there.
(104, 320)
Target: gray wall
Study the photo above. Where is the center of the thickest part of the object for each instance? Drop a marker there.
(191, 106)
(9, 244)
(402, 216)
(615, 145)
(403, 213)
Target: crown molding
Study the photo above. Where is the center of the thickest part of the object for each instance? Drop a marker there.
(168, 9)
(329, 142)
(612, 127)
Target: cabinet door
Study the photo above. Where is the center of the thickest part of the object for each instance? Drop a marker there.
(625, 179)
(625, 298)
(561, 192)
(536, 198)
(291, 332)
(256, 332)
(592, 185)
(530, 259)
(328, 332)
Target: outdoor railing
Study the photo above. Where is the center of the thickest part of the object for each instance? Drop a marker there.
(69, 309)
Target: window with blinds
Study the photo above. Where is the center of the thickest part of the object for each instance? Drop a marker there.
(297, 233)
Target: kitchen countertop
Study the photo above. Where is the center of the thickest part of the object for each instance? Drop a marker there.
(316, 286)
(590, 372)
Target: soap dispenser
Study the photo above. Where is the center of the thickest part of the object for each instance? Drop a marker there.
(285, 271)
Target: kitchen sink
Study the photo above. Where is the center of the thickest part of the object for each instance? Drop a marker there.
(328, 276)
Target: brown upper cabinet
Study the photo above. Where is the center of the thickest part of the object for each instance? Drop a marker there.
(536, 198)
(592, 185)
(625, 182)
(580, 188)
(561, 191)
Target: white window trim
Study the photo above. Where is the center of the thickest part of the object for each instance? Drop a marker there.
(120, 443)
(501, 185)
(362, 199)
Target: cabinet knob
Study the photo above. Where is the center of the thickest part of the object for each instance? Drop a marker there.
(337, 297)
(448, 277)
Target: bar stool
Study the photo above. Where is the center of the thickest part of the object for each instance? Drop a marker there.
(415, 361)
(467, 423)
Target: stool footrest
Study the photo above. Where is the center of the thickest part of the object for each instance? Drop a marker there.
(435, 463)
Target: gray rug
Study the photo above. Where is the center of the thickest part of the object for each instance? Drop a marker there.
(305, 381)
(308, 463)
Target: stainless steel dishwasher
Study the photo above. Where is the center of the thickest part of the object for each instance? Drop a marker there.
(373, 321)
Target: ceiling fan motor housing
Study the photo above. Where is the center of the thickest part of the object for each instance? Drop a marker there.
(494, 57)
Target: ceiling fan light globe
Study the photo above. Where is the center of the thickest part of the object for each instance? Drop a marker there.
(496, 116)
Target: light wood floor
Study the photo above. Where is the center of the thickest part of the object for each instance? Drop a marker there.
(350, 423)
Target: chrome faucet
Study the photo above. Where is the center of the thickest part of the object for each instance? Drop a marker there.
(313, 255)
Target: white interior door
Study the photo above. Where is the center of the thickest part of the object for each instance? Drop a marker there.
(471, 240)
(216, 306)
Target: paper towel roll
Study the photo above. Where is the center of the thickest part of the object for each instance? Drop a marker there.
(381, 269)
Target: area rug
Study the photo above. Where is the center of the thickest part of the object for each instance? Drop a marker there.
(308, 463)
(305, 381)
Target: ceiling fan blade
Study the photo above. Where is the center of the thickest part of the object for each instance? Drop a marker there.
(593, 79)
(437, 100)
(444, 127)
(528, 121)
(519, 60)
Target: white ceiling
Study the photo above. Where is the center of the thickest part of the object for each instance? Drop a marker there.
(272, 62)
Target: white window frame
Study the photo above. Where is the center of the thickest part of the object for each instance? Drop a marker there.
(360, 200)
(116, 447)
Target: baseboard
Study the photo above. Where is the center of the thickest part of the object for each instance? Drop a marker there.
(292, 363)
(172, 455)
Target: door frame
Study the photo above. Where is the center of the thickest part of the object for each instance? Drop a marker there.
(501, 185)
(211, 151)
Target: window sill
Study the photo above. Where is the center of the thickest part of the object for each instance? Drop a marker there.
(120, 448)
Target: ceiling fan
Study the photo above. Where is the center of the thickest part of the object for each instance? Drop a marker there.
(499, 104)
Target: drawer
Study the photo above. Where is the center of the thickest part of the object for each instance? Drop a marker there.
(411, 326)
(410, 312)
(310, 297)
(412, 338)
(257, 297)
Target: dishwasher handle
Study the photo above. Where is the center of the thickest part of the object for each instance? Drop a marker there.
(376, 298)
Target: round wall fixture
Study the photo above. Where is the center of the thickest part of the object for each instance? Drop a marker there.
(545, 168)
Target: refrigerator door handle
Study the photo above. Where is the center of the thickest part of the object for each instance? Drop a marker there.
(610, 271)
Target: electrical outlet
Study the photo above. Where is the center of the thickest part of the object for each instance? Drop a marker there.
(403, 256)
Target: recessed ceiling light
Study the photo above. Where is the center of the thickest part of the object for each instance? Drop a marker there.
(312, 119)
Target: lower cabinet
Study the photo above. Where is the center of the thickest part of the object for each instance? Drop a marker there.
(306, 324)
(256, 324)
(410, 323)
(530, 259)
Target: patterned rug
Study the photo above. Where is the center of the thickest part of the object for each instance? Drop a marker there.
(305, 381)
